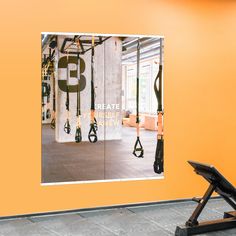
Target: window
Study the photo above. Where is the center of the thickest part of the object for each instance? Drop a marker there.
(148, 73)
(131, 88)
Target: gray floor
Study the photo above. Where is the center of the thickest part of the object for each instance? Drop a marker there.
(158, 220)
(63, 162)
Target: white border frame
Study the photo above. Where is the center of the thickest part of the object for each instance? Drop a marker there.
(98, 34)
(101, 181)
(107, 180)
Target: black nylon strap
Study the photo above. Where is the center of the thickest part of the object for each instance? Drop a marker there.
(158, 91)
(78, 111)
(137, 84)
(78, 133)
(48, 112)
(43, 104)
(92, 136)
(138, 148)
(67, 127)
(158, 165)
(67, 86)
(53, 121)
(67, 98)
(54, 92)
(92, 80)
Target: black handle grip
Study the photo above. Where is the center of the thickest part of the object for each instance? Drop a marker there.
(48, 114)
(53, 123)
(138, 149)
(78, 135)
(43, 115)
(158, 165)
(67, 128)
(92, 136)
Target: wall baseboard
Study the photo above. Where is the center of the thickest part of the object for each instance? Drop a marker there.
(97, 208)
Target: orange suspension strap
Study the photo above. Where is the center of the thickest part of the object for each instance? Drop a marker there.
(92, 136)
(159, 155)
(138, 148)
(67, 127)
(78, 133)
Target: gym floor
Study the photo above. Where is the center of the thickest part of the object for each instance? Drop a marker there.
(65, 162)
(152, 220)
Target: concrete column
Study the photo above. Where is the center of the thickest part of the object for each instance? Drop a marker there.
(113, 88)
(107, 80)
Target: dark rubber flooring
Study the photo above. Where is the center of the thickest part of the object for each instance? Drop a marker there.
(152, 220)
(65, 162)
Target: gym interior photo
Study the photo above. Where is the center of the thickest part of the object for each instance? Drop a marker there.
(102, 103)
(118, 118)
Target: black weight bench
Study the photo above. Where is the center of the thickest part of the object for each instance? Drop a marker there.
(219, 185)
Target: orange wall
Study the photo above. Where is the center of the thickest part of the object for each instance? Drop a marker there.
(200, 88)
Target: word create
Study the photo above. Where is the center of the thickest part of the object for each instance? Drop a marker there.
(107, 106)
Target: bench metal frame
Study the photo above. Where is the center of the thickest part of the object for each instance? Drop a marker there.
(217, 184)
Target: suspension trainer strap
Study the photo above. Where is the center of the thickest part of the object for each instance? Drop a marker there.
(43, 104)
(159, 155)
(67, 128)
(78, 133)
(47, 77)
(45, 89)
(53, 121)
(138, 148)
(92, 136)
(45, 93)
(48, 112)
